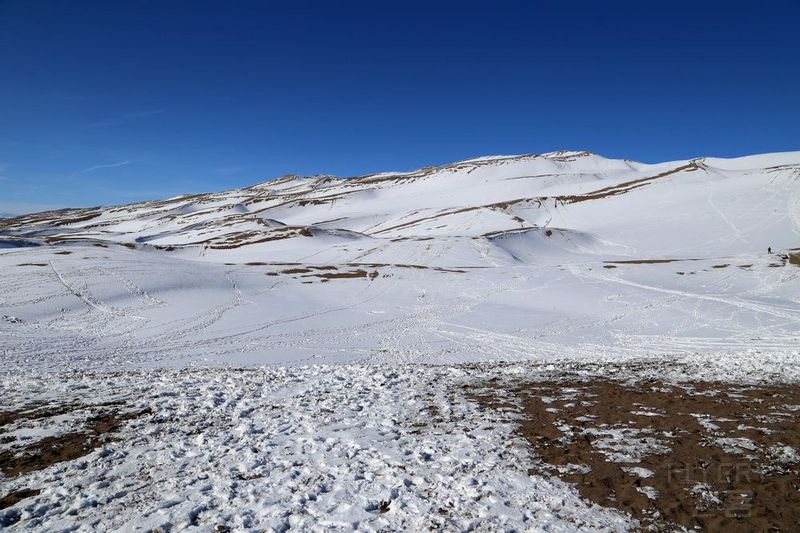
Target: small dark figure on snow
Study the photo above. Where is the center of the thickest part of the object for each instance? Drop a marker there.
(769, 249)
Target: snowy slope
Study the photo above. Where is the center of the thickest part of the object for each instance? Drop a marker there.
(565, 254)
(702, 206)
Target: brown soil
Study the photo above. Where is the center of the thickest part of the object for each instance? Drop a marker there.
(296, 271)
(646, 261)
(14, 497)
(35, 411)
(624, 187)
(594, 433)
(360, 272)
(349, 274)
(102, 420)
(77, 219)
(242, 238)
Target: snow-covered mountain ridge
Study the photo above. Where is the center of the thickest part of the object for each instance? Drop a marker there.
(479, 212)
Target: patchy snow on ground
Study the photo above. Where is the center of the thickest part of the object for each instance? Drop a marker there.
(313, 448)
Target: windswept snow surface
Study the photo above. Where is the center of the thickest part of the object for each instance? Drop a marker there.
(410, 279)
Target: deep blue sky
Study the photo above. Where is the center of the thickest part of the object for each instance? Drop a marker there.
(112, 101)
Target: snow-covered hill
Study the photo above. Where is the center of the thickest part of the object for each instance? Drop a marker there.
(480, 212)
(559, 254)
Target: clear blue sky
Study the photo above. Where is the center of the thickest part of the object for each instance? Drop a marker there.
(113, 101)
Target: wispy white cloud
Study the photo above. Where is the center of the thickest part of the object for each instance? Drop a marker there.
(100, 167)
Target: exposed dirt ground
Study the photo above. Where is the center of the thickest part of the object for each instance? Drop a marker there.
(97, 424)
(703, 456)
(99, 420)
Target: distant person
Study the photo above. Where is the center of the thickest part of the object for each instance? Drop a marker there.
(769, 249)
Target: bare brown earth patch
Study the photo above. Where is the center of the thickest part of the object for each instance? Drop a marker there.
(783, 259)
(14, 497)
(347, 275)
(646, 261)
(357, 270)
(696, 455)
(296, 271)
(98, 423)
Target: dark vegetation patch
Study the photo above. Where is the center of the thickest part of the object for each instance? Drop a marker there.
(63, 252)
(717, 457)
(720, 266)
(32, 265)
